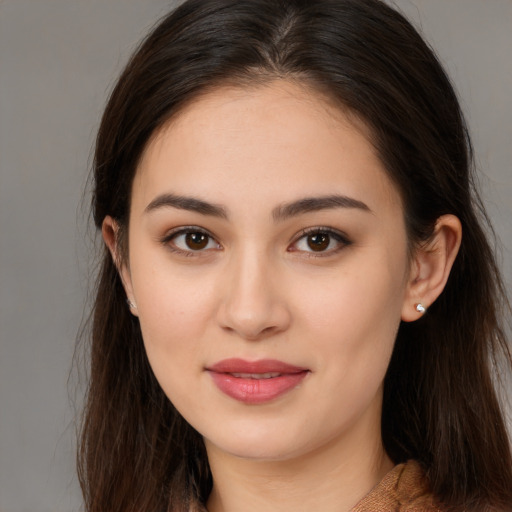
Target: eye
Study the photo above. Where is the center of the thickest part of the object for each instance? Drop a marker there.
(189, 240)
(320, 240)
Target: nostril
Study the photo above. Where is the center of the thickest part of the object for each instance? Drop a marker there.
(251, 304)
(254, 328)
(251, 335)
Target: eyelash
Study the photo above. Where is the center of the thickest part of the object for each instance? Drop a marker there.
(340, 238)
(185, 230)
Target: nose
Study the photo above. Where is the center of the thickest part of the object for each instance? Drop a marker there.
(253, 304)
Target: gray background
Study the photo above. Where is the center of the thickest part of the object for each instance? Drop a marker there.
(58, 59)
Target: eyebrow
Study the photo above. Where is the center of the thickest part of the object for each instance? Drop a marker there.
(279, 214)
(313, 204)
(186, 203)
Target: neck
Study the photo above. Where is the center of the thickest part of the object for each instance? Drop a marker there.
(332, 478)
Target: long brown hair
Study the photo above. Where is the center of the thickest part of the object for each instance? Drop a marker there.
(440, 406)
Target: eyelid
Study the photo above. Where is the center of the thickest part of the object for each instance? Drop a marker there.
(183, 230)
(341, 237)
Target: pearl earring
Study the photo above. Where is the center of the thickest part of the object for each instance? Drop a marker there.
(420, 308)
(131, 304)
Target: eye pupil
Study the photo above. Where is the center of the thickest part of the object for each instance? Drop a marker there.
(318, 241)
(196, 241)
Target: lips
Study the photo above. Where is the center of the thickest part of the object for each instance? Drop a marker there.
(255, 382)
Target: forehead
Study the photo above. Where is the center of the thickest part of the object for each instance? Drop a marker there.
(233, 140)
(244, 106)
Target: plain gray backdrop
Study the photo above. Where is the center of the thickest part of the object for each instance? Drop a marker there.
(58, 60)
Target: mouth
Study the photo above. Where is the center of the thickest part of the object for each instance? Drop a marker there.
(256, 382)
(270, 375)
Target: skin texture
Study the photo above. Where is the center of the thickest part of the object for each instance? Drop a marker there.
(256, 289)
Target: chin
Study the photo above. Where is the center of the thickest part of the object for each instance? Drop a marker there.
(261, 444)
(261, 451)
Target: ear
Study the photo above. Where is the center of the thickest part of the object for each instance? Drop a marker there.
(431, 266)
(110, 231)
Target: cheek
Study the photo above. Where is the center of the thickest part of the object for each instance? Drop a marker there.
(172, 321)
(355, 321)
(365, 295)
(173, 309)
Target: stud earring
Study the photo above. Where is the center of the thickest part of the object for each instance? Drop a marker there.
(420, 308)
(131, 304)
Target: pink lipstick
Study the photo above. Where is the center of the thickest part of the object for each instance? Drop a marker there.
(255, 382)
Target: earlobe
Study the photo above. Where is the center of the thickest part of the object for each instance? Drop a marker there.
(431, 267)
(110, 233)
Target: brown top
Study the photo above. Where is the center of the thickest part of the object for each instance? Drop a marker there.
(403, 489)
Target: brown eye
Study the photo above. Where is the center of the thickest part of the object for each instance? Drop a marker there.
(190, 241)
(196, 241)
(318, 241)
(322, 241)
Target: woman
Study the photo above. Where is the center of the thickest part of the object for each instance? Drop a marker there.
(298, 306)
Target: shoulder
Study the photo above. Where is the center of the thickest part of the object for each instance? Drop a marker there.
(404, 489)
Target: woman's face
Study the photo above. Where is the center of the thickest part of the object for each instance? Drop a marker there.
(268, 262)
